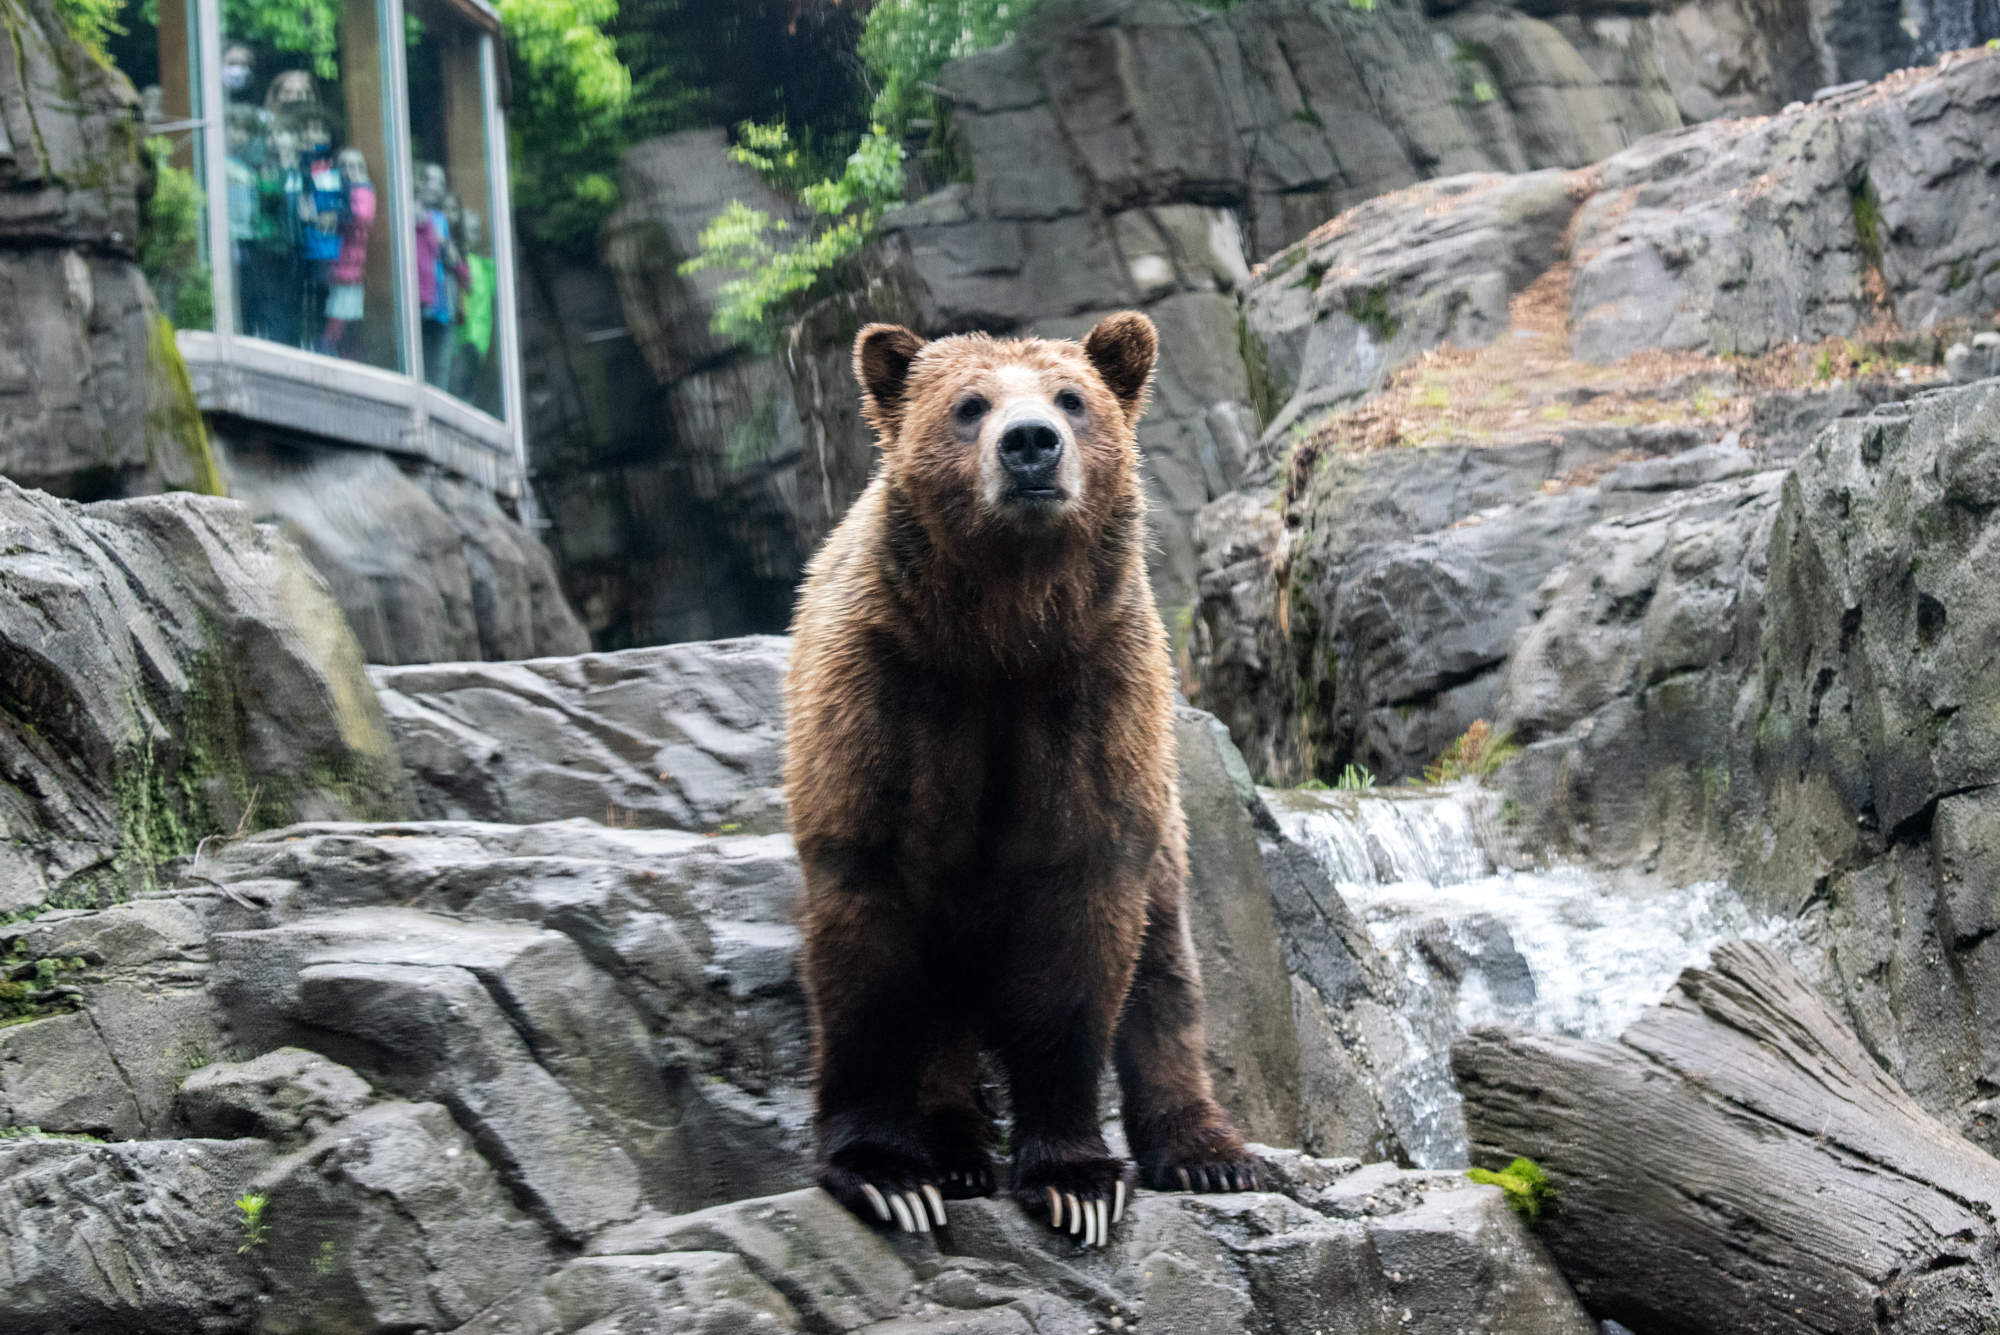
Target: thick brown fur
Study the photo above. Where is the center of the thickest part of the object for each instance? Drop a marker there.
(982, 784)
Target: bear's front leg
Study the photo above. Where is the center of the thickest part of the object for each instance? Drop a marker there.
(874, 1032)
(1057, 1025)
(1179, 1134)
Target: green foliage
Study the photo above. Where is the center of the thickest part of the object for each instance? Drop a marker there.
(1527, 1187)
(1371, 310)
(28, 987)
(250, 1210)
(170, 241)
(301, 27)
(1354, 778)
(91, 22)
(1867, 221)
(908, 41)
(579, 103)
(845, 210)
(36, 1133)
(1476, 754)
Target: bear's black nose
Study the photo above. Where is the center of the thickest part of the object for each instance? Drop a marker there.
(1029, 450)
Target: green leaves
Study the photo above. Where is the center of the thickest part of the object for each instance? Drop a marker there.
(305, 27)
(1527, 1187)
(846, 210)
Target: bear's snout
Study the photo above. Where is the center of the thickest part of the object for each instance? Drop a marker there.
(1031, 450)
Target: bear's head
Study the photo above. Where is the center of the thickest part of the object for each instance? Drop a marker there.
(1018, 441)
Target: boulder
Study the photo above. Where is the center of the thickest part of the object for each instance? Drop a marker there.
(174, 672)
(1376, 1250)
(425, 569)
(1409, 270)
(683, 737)
(1699, 239)
(94, 398)
(1741, 1108)
(107, 1239)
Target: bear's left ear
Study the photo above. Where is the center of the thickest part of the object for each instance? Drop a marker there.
(1123, 348)
(882, 357)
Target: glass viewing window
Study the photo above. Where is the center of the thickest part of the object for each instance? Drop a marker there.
(344, 256)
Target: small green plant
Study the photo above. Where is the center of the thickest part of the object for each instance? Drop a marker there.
(250, 1209)
(1823, 366)
(36, 1133)
(846, 210)
(92, 21)
(1315, 785)
(1525, 1184)
(1433, 396)
(169, 241)
(1354, 778)
(1371, 310)
(1482, 91)
(1510, 810)
(1867, 222)
(1476, 754)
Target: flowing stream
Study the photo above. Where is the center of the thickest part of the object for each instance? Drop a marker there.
(1561, 950)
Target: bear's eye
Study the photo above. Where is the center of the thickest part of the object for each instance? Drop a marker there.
(972, 409)
(1070, 401)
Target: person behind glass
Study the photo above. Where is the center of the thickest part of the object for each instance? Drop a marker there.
(475, 331)
(322, 209)
(441, 271)
(347, 273)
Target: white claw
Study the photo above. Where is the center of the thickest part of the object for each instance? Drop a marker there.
(1055, 1208)
(1089, 1224)
(1103, 1223)
(923, 1216)
(908, 1224)
(932, 1195)
(875, 1199)
(1118, 1201)
(1075, 1215)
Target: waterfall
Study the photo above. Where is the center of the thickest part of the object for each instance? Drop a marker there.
(1561, 949)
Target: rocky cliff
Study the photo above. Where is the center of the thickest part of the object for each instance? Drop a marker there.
(1471, 373)
(1130, 153)
(94, 397)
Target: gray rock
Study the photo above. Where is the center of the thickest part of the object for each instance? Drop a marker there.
(671, 737)
(182, 673)
(1253, 1050)
(57, 1075)
(1434, 1254)
(285, 1094)
(1403, 577)
(1740, 1107)
(424, 570)
(1697, 239)
(105, 1239)
(94, 399)
(390, 1219)
(1647, 631)
(506, 1025)
(1435, 263)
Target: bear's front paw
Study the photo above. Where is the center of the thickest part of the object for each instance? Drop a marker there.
(886, 1186)
(1210, 1158)
(1082, 1196)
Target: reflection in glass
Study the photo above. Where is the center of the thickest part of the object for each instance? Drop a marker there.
(451, 207)
(155, 46)
(303, 134)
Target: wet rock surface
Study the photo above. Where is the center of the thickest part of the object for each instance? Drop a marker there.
(681, 737)
(173, 672)
(1742, 1106)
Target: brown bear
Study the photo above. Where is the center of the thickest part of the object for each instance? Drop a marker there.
(981, 774)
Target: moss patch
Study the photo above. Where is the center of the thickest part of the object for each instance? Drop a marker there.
(1527, 1187)
(1371, 309)
(1867, 221)
(176, 436)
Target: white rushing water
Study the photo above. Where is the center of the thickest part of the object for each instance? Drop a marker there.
(1560, 950)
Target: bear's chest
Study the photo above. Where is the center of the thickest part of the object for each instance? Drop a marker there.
(1018, 776)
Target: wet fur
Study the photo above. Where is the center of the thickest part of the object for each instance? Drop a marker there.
(982, 783)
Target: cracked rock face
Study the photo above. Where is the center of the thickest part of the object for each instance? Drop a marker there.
(172, 672)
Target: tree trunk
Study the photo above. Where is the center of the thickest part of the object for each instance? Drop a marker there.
(1738, 1163)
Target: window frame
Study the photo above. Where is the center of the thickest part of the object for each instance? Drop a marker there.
(238, 374)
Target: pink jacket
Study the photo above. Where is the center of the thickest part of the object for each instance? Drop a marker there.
(349, 265)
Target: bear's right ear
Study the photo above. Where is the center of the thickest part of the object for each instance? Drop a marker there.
(882, 357)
